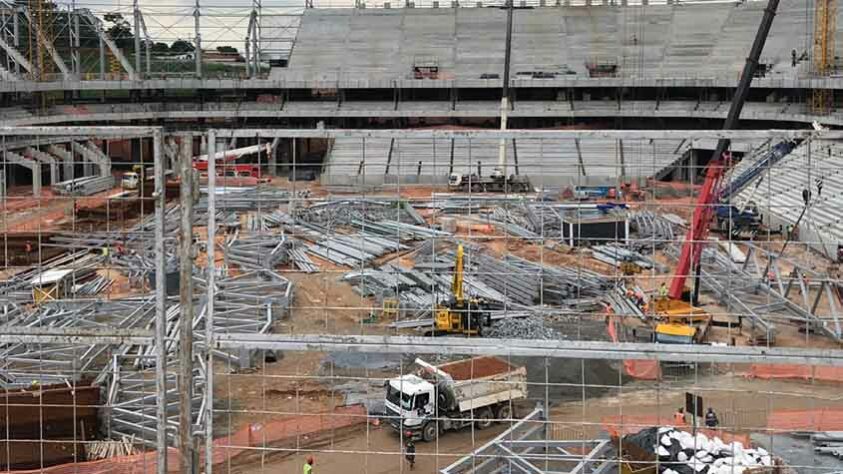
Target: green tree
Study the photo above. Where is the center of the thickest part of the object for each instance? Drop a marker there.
(160, 48)
(120, 31)
(181, 46)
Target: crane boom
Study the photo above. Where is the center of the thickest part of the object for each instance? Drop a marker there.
(456, 286)
(746, 76)
(689, 257)
(700, 225)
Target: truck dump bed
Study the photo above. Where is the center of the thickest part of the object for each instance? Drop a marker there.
(483, 381)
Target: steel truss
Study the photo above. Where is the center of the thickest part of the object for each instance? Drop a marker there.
(525, 448)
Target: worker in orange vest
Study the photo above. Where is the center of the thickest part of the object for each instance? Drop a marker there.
(609, 312)
(679, 417)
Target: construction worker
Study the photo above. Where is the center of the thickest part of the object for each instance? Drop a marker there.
(609, 312)
(711, 420)
(28, 248)
(679, 417)
(410, 451)
(308, 466)
(639, 299)
(663, 291)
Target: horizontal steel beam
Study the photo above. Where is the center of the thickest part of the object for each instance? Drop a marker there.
(109, 131)
(27, 335)
(175, 83)
(531, 134)
(599, 350)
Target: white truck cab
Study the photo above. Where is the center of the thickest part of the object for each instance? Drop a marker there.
(130, 180)
(453, 395)
(412, 399)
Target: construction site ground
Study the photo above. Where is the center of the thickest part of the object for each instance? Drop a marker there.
(301, 383)
(373, 449)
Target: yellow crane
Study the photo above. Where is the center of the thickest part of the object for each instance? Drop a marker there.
(461, 315)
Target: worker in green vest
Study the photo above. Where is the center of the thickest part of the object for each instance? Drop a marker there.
(663, 291)
(308, 466)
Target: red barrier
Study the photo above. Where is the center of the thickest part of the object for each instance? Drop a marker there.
(796, 372)
(822, 419)
(257, 434)
(637, 369)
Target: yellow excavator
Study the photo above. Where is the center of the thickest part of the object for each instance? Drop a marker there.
(461, 315)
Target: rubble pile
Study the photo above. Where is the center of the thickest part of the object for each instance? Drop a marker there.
(680, 452)
(531, 327)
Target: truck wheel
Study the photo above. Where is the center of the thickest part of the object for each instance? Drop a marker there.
(430, 431)
(504, 413)
(484, 419)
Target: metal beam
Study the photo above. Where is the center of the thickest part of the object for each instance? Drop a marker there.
(209, 306)
(82, 336)
(531, 134)
(602, 350)
(111, 46)
(136, 18)
(45, 43)
(187, 448)
(17, 56)
(124, 131)
(197, 51)
(149, 43)
(7, 75)
(160, 304)
(121, 132)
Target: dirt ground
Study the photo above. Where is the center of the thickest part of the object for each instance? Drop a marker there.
(743, 406)
(374, 450)
(291, 385)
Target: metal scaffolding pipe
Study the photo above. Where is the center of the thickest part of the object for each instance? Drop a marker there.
(187, 449)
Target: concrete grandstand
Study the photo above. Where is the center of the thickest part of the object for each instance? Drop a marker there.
(615, 65)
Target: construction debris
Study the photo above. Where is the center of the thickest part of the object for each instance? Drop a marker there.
(532, 327)
(680, 452)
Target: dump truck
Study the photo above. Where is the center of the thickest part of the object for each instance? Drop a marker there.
(454, 395)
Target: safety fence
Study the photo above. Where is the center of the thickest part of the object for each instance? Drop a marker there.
(796, 372)
(821, 419)
(637, 369)
(225, 448)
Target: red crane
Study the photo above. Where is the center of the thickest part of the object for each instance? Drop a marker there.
(697, 235)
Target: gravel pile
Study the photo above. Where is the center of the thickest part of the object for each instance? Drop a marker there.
(521, 328)
(680, 452)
